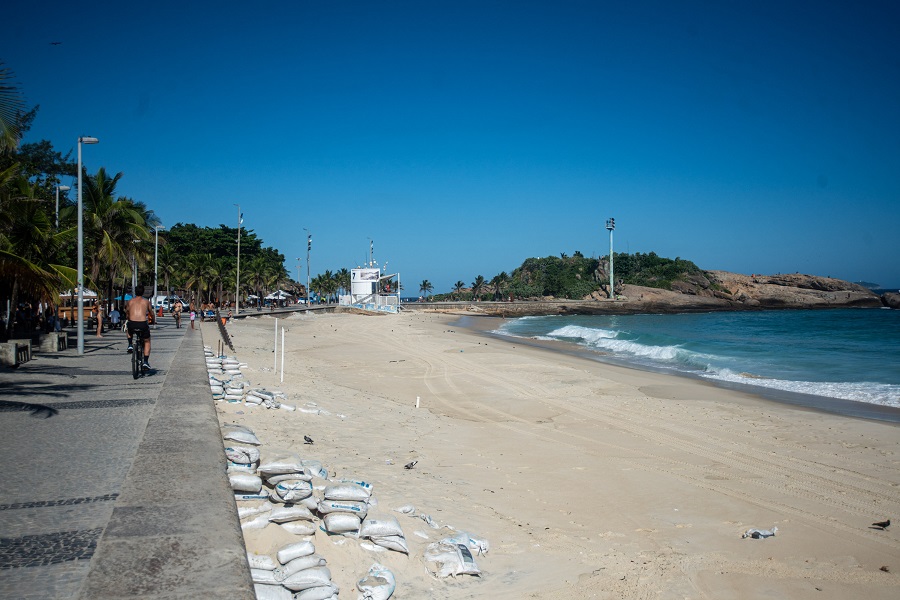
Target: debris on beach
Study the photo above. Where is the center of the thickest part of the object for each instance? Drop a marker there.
(759, 533)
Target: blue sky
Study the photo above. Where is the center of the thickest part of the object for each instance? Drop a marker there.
(463, 137)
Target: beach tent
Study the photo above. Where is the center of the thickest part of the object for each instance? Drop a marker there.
(279, 295)
(69, 293)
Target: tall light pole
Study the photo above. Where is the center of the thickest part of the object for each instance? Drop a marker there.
(371, 249)
(156, 266)
(237, 277)
(59, 188)
(80, 282)
(610, 226)
(308, 248)
(299, 262)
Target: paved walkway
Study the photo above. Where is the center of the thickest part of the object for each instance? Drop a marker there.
(115, 487)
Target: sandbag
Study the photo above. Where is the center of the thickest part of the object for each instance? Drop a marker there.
(381, 526)
(262, 494)
(341, 522)
(308, 578)
(378, 583)
(285, 514)
(346, 491)
(450, 559)
(280, 463)
(240, 434)
(299, 527)
(272, 592)
(357, 508)
(273, 479)
(260, 522)
(263, 576)
(295, 550)
(320, 592)
(244, 482)
(298, 564)
(315, 468)
(261, 561)
(397, 543)
(291, 490)
(249, 511)
(242, 454)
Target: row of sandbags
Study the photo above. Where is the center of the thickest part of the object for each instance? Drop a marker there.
(227, 383)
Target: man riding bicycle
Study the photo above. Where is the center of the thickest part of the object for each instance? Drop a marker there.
(140, 314)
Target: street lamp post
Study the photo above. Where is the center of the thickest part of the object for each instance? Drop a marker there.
(610, 226)
(59, 188)
(237, 277)
(308, 248)
(80, 281)
(156, 266)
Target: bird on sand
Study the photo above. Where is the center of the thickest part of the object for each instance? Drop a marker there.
(308, 439)
(882, 524)
(410, 465)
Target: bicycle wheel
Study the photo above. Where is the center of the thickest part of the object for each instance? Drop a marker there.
(137, 357)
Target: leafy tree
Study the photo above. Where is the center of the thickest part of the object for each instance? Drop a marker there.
(458, 287)
(426, 287)
(12, 103)
(478, 286)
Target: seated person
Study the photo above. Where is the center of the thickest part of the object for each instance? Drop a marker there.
(140, 315)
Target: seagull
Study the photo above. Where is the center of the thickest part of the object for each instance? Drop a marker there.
(308, 439)
(410, 465)
(882, 524)
(55, 43)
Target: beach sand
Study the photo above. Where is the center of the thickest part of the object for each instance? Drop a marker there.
(588, 480)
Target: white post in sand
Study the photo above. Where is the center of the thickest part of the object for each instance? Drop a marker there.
(282, 355)
(275, 347)
(417, 402)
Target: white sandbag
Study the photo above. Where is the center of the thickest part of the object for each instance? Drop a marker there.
(397, 543)
(295, 550)
(273, 479)
(479, 546)
(312, 503)
(320, 592)
(250, 511)
(299, 564)
(450, 559)
(261, 393)
(245, 482)
(261, 561)
(331, 506)
(272, 592)
(341, 522)
(406, 509)
(242, 454)
(263, 576)
(250, 496)
(363, 484)
(285, 514)
(379, 527)
(291, 490)
(315, 468)
(308, 578)
(378, 584)
(279, 463)
(299, 527)
(233, 397)
(255, 400)
(259, 522)
(287, 407)
(240, 434)
(240, 468)
(346, 491)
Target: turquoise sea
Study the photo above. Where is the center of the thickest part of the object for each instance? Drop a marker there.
(849, 354)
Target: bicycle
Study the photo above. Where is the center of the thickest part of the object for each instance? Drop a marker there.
(137, 354)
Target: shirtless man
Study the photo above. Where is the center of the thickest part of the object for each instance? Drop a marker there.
(139, 314)
(177, 311)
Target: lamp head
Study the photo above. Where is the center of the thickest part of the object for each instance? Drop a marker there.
(63, 188)
(88, 140)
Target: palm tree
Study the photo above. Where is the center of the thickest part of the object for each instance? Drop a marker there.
(458, 287)
(12, 103)
(477, 286)
(343, 280)
(426, 287)
(499, 283)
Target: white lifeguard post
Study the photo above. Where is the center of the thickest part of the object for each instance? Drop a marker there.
(364, 292)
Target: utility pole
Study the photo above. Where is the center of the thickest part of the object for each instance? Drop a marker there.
(308, 248)
(610, 226)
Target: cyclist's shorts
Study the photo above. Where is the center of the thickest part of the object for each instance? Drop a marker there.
(142, 326)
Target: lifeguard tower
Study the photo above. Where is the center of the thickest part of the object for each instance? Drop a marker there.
(366, 291)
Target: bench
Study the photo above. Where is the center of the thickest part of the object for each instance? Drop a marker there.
(15, 353)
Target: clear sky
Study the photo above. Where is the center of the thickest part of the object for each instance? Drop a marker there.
(464, 137)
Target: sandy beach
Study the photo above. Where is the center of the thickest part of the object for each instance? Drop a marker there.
(587, 480)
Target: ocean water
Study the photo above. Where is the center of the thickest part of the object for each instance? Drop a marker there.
(850, 354)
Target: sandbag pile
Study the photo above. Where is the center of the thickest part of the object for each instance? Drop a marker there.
(300, 574)
(227, 384)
